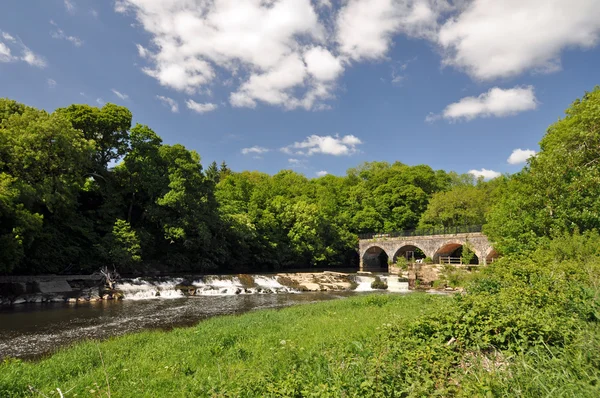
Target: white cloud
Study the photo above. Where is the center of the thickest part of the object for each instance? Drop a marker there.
(51, 83)
(120, 94)
(169, 102)
(142, 51)
(485, 173)
(262, 43)
(321, 173)
(495, 102)
(492, 39)
(100, 101)
(322, 64)
(255, 149)
(291, 53)
(294, 161)
(520, 156)
(32, 58)
(59, 34)
(5, 54)
(200, 108)
(364, 28)
(69, 6)
(327, 145)
(8, 37)
(11, 46)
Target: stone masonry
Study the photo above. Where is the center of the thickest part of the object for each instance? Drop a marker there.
(432, 246)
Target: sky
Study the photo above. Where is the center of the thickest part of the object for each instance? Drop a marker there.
(317, 86)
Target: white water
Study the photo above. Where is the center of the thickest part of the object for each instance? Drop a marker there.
(393, 282)
(215, 285)
(139, 289)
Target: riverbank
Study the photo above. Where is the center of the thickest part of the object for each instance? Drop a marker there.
(317, 348)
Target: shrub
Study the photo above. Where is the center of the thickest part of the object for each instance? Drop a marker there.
(378, 284)
(402, 263)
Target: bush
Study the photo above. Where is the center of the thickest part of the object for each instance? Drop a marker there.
(428, 260)
(402, 263)
(378, 284)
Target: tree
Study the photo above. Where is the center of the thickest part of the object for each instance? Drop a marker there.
(559, 190)
(107, 127)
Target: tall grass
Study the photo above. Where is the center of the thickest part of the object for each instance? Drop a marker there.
(316, 348)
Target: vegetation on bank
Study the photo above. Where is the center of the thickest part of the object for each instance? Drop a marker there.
(65, 207)
(527, 326)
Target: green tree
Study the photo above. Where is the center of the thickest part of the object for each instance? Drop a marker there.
(559, 190)
(107, 127)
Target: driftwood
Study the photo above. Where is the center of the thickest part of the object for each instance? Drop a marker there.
(110, 277)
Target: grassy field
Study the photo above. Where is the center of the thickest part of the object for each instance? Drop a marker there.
(329, 348)
(525, 327)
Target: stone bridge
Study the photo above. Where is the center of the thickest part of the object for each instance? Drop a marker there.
(377, 251)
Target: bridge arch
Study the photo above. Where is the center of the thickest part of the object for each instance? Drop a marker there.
(408, 251)
(375, 259)
(453, 248)
(490, 255)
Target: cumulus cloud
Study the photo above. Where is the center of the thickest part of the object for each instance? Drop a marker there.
(59, 34)
(491, 39)
(255, 149)
(294, 161)
(120, 94)
(485, 173)
(287, 53)
(321, 173)
(200, 108)
(495, 102)
(170, 102)
(520, 156)
(364, 29)
(292, 53)
(327, 145)
(51, 83)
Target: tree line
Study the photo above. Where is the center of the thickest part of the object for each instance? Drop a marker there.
(81, 188)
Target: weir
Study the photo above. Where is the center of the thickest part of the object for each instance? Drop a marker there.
(442, 246)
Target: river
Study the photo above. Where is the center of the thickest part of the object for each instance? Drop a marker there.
(33, 330)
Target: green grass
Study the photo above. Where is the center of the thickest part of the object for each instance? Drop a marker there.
(330, 348)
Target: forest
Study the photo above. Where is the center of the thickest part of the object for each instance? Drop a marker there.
(81, 188)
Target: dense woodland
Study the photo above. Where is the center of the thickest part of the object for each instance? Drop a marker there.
(81, 188)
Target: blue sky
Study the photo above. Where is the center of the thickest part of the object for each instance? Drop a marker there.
(317, 86)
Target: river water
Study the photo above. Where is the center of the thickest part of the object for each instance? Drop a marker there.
(33, 330)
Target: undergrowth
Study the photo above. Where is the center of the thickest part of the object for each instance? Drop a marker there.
(527, 325)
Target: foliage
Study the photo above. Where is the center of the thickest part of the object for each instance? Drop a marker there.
(402, 263)
(467, 255)
(558, 191)
(125, 248)
(378, 284)
(461, 206)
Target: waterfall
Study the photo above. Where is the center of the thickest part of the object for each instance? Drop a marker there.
(364, 283)
(210, 285)
(140, 289)
(393, 282)
(229, 285)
